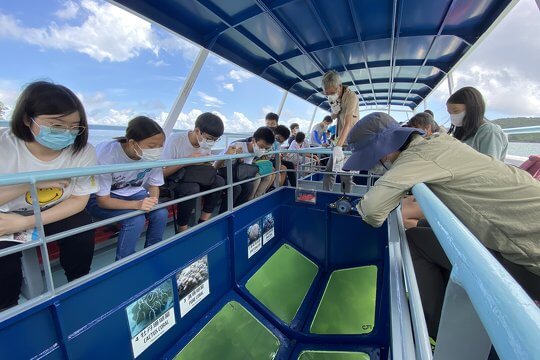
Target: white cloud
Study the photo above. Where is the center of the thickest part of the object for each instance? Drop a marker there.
(8, 96)
(113, 117)
(237, 123)
(228, 86)
(303, 123)
(240, 123)
(174, 44)
(68, 11)
(220, 61)
(504, 68)
(240, 75)
(504, 90)
(8, 92)
(210, 101)
(107, 33)
(158, 63)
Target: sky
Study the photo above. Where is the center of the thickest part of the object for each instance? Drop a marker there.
(122, 66)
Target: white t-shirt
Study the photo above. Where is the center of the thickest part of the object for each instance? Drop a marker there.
(17, 159)
(178, 146)
(297, 158)
(124, 183)
(245, 150)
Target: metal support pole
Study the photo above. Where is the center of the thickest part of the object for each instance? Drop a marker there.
(41, 231)
(425, 104)
(184, 93)
(230, 193)
(311, 122)
(278, 174)
(285, 93)
(450, 79)
(461, 333)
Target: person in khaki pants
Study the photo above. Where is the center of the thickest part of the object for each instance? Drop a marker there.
(344, 104)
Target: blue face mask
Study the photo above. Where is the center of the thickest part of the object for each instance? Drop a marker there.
(53, 139)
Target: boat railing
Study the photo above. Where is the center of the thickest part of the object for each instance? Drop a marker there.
(483, 303)
(39, 294)
(522, 130)
(33, 274)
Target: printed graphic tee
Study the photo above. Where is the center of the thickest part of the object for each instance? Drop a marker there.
(18, 159)
(123, 183)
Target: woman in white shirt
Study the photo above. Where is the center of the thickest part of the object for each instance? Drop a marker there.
(124, 191)
(48, 132)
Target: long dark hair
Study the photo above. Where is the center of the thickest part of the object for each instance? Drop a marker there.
(475, 108)
(47, 98)
(140, 128)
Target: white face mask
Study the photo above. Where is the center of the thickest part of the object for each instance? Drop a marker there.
(205, 143)
(149, 154)
(257, 151)
(332, 98)
(457, 119)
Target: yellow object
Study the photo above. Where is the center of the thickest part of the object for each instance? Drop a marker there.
(46, 195)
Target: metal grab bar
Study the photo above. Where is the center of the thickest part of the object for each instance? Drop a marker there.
(507, 313)
(522, 130)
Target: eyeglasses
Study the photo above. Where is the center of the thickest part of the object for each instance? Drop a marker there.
(57, 128)
(210, 137)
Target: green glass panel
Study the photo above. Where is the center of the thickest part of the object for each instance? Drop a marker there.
(348, 302)
(233, 333)
(282, 283)
(333, 355)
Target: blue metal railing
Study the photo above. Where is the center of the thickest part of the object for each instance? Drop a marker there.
(522, 130)
(508, 314)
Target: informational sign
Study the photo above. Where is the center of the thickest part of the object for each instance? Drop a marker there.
(306, 196)
(268, 228)
(193, 284)
(151, 316)
(254, 238)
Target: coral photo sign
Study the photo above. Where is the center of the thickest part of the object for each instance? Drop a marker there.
(151, 316)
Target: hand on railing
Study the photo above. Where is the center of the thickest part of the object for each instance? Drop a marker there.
(147, 204)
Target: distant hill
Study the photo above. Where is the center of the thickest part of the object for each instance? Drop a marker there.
(520, 122)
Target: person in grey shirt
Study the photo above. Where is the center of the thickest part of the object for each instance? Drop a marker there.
(466, 108)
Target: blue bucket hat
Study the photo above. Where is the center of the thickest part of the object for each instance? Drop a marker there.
(373, 137)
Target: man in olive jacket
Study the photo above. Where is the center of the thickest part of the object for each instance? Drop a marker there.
(498, 203)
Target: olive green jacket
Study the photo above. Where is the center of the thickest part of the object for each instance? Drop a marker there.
(499, 203)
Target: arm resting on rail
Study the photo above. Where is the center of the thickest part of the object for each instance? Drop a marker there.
(11, 223)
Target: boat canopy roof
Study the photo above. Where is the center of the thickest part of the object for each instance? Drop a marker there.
(390, 52)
